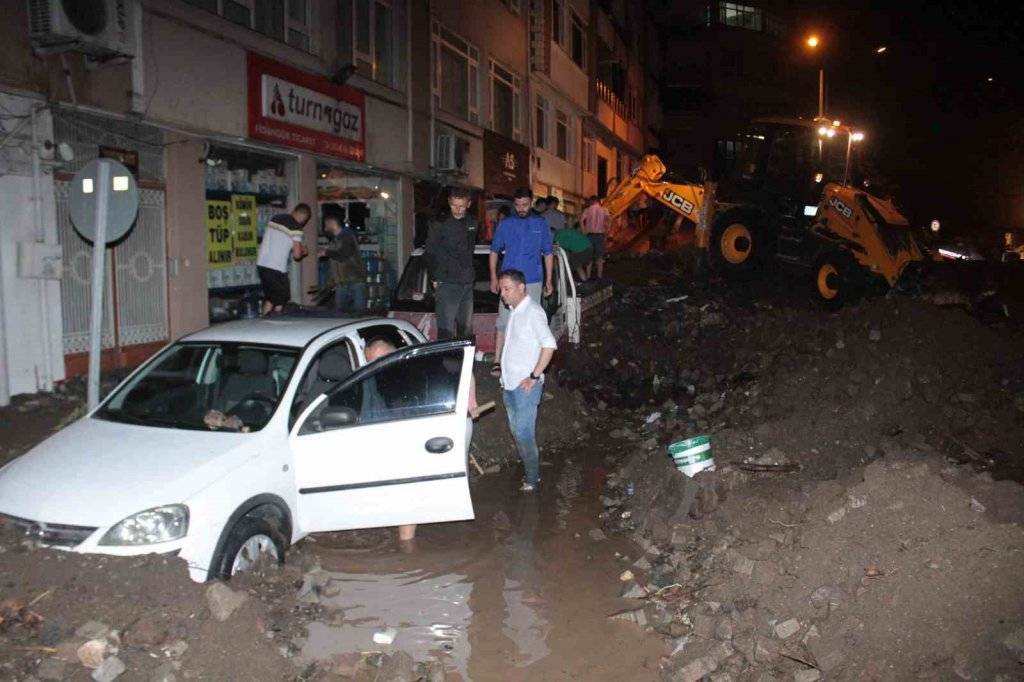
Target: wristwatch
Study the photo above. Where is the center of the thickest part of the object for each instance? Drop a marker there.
(534, 376)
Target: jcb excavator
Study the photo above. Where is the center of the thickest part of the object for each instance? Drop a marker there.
(788, 197)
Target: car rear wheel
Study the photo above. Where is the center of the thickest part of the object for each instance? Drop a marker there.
(254, 542)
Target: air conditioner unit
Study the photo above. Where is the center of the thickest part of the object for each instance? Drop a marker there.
(452, 153)
(101, 29)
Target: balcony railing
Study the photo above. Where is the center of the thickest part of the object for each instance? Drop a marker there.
(619, 107)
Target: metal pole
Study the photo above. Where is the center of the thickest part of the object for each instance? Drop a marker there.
(849, 149)
(44, 380)
(99, 247)
(821, 92)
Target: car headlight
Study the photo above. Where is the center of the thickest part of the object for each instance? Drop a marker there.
(160, 524)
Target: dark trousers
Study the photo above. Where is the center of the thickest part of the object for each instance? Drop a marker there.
(454, 309)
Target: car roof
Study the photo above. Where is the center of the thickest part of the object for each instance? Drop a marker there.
(280, 331)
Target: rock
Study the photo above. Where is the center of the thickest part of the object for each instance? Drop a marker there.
(744, 566)
(642, 564)
(432, 671)
(52, 633)
(176, 649)
(724, 630)
(977, 506)
(874, 334)
(597, 535)
(809, 675)
(721, 652)
(626, 576)
(146, 632)
(638, 616)
(703, 626)
(765, 650)
(91, 653)
(52, 669)
(223, 601)
(398, 667)
(695, 670)
(165, 673)
(765, 572)
(386, 636)
(633, 591)
(827, 656)
(109, 670)
(92, 630)
(837, 515)
(787, 629)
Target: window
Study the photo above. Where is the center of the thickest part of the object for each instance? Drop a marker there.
(589, 152)
(456, 75)
(562, 137)
(578, 42)
(387, 332)
(419, 386)
(505, 102)
(541, 123)
(367, 39)
(284, 20)
(741, 16)
(512, 5)
(558, 21)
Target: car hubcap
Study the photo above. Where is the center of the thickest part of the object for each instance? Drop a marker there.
(828, 281)
(736, 243)
(257, 549)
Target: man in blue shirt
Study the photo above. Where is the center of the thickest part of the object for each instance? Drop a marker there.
(523, 240)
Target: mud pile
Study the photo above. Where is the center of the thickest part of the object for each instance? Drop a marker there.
(907, 572)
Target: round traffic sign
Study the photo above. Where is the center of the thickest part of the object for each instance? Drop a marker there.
(103, 180)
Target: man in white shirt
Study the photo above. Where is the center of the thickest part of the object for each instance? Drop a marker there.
(526, 352)
(282, 238)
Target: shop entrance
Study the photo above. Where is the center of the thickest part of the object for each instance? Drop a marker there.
(244, 190)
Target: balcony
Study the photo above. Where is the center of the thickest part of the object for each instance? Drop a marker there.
(618, 117)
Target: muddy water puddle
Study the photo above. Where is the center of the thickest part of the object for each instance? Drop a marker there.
(521, 593)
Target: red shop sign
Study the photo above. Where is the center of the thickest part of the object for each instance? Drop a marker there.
(298, 109)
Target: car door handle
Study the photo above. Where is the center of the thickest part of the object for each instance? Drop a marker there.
(439, 444)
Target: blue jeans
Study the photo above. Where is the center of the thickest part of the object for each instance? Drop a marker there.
(350, 298)
(521, 407)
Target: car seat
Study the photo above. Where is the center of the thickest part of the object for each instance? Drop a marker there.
(251, 377)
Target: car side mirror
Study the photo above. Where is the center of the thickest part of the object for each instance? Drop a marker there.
(337, 417)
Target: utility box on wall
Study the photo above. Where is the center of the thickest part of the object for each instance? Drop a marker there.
(39, 261)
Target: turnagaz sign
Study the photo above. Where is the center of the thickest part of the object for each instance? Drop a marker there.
(298, 109)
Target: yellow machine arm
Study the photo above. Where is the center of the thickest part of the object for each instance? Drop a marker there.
(686, 200)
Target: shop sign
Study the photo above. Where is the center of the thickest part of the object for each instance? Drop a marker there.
(506, 164)
(218, 234)
(298, 109)
(243, 228)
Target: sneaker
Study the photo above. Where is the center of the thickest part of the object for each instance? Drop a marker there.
(527, 488)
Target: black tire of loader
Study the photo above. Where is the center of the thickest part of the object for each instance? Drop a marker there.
(735, 233)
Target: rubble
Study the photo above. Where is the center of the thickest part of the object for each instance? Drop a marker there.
(223, 601)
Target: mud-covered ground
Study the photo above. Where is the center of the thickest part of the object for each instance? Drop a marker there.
(863, 521)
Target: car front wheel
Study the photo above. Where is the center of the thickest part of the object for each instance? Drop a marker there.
(254, 542)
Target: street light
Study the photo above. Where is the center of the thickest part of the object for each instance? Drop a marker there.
(812, 42)
(853, 137)
(881, 49)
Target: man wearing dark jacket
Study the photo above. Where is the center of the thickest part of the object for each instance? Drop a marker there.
(449, 257)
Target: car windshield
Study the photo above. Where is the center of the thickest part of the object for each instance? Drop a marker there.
(413, 286)
(207, 386)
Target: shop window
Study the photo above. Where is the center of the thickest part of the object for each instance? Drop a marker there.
(741, 16)
(370, 33)
(505, 102)
(541, 123)
(456, 74)
(284, 20)
(563, 145)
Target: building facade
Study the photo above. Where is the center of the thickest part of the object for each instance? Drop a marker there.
(230, 111)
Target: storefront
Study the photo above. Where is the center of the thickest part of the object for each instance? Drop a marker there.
(245, 188)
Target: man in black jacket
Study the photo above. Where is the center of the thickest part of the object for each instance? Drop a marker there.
(449, 256)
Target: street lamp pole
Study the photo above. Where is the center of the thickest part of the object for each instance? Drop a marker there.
(821, 92)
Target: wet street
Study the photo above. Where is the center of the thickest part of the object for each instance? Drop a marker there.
(522, 593)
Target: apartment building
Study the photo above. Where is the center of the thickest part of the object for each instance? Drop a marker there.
(228, 111)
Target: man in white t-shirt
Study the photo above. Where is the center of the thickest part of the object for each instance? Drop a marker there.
(281, 239)
(526, 352)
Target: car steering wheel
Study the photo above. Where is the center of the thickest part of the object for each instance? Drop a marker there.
(254, 401)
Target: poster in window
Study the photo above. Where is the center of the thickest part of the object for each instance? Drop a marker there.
(243, 228)
(218, 234)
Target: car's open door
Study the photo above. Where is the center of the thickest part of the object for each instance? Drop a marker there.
(389, 445)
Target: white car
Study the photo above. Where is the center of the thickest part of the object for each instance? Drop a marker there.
(323, 442)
